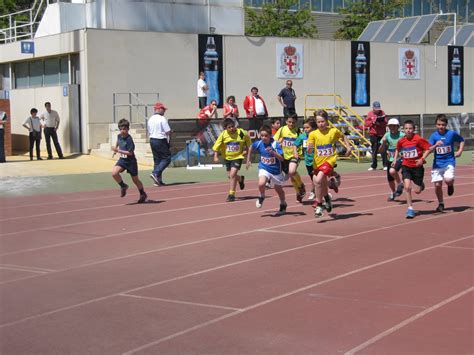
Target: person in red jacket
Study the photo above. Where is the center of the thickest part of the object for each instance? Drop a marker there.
(208, 112)
(256, 109)
(376, 123)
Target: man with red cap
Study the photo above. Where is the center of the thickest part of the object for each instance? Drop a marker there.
(159, 132)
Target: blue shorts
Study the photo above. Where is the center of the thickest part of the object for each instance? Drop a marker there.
(131, 166)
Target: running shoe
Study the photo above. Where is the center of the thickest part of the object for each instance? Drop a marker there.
(440, 208)
(391, 197)
(123, 190)
(370, 169)
(410, 213)
(328, 202)
(450, 190)
(230, 198)
(242, 182)
(385, 168)
(318, 212)
(259, 202)
(311, 196)
(300, 195)
(267, 185)
(282, 210)
(399, 190)
(142, 198)
(155, 178)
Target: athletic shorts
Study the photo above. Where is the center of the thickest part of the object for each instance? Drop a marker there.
(285, 164)
(271, 178)
(130, 166)
(310, 169)
(326, 168)
(397, 168)
(414, 174)
(442, 173)
(229, 164)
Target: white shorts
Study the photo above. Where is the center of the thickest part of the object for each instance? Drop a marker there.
(272, 179)
(442, 173)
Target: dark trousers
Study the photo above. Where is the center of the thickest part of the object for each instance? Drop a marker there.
(375, 142)
(50, 132)
(161, 155)
(2, 145)
(287, 111)
(256, 123)
(35, 138)
(202, 101)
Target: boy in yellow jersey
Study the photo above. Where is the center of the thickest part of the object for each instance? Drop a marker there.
(233, 144)
(323, 143)
(286, 136)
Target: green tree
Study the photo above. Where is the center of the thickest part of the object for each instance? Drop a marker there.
(11, 6)
(360, 13)
(278, 19)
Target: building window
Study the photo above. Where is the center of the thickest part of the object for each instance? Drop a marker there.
(43, 72)
(21, 75)
(51, 72)
(64, 71)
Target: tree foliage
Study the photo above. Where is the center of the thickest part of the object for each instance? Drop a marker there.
(360, 13)
(278, 19)
(11, 6)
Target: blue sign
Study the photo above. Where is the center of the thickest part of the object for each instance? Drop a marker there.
(28, 47)
(65, 90)
(7, 95)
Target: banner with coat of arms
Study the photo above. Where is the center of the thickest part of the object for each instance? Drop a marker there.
(409, 63)
(289, 61)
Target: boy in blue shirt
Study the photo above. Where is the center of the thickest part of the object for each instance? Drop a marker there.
(442, 141)
(125, 148)
(269, 167)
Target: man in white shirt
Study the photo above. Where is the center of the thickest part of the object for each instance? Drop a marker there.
(202, 89)
(159, 132)
(33, 125)
(50, 122)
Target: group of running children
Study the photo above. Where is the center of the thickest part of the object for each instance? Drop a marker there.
(281, 148)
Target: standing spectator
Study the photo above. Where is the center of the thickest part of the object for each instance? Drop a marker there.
(231, 110)
(33, 125)
(376, 122)
(3, 120)
(50, 122)
(256, 109)
(202, 90)
(287, 98)
(159, 132)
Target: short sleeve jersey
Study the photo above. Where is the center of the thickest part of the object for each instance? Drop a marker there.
(324, 146)
(444, 154)
(392, 140)
(268, 161)
(126, 144)
(289, 137)
(302, 141)
(232, 146)
(412, 149)
(288, 96)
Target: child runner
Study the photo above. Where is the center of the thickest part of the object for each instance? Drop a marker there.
(323, 143)
(302, 141)
(125, 148)
(269, 167)
(411, 148)
(232, 143)
(444, 158)
(287, 135)
(276, 123)
(389, 143)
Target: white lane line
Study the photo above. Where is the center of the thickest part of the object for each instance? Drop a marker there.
(277, 298)
(27, 268)
(179, 302)
(408, 321)
(453, 247)
(272, 231)
(22, 269)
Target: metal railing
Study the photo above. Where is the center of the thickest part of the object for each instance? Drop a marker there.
(134, 103)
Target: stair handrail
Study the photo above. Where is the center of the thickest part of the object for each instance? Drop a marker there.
(11, 33)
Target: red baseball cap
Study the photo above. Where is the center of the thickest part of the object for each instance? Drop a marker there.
(159, 105)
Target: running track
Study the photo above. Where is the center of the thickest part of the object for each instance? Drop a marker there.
(90, 273)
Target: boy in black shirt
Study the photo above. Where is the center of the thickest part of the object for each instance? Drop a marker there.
(125, 147)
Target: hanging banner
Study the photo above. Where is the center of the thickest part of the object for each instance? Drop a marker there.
(289, 61)
(210, 62)
(455, 76)
(360, 73)
(409, 63)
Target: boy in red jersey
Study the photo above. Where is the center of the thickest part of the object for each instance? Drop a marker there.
(411, 147)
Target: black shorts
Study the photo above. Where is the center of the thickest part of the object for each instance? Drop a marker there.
(229, 164)
(285, 164)
(130, 166)
(310, 169)
(414, 174)
(397, 168)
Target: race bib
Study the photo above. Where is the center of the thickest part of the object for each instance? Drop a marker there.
(233, 147)
(287, 143)
(444, 149)
(391, 154)
(325, 151)
(410, 153)
(268, 160)
(305, 143)
(123, 156)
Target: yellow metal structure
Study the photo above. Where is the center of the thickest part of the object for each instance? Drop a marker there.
(342, 117)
